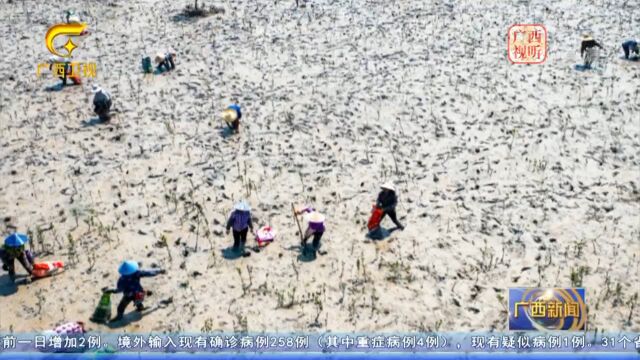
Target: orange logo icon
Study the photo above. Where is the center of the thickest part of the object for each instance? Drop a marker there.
(73, 29)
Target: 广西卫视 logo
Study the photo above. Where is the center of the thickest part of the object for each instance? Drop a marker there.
(62, 59)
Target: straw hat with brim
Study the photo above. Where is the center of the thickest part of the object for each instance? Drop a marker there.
(159, 58)
(315, 217)
(242, 206)
(586, 37)
(128, 267)
(388, 186)
(229, 115)
(299, 208)
(56, 59)
(16, 240)
(96, 88)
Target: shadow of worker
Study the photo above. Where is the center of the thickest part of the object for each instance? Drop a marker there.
(233, 254)
(226, 132)
(94, 121)
(308, 253)
(132, 317)
(380, 233)
(55, 87)
(7, 286)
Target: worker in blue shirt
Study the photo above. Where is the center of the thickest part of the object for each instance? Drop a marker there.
(130, 287)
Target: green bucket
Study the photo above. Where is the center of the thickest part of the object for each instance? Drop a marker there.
(102, 314)
(146, 65)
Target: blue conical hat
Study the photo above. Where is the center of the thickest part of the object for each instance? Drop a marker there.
(16, 240)
(128, 267)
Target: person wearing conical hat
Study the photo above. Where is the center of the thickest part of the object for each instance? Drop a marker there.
(589, 50)
(240, 221)
(315, 226)
(165, 61)
(387, 201)
(101, 102)
(14, 249)
(232, 115)
(71, 17)
(630, 47)
(130, 287)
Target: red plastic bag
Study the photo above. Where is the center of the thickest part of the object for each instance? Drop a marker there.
(265, 235)
(76, 80)
(376, 217)
(139, 296)
(43, 269)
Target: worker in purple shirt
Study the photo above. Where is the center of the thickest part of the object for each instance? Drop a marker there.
(315, 227)
(240, 221)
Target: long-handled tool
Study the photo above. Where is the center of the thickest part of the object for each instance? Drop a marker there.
(295, 216)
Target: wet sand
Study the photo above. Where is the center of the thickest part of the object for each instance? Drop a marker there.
(507, 175)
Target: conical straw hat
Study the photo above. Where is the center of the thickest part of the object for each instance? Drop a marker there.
(242, 206)
(315, 217)
(159, 58)
(388, 186)
(229, 115)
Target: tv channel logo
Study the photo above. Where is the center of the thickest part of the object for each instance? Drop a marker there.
(73, 29)
(543, 309)
(527, 44)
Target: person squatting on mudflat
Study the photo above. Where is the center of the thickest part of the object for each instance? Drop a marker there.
(130, 287)
(166, 61)
(588, 50)
(315, 227)
(240, 221)
(101, 102)
(387, 201)
(232, 115)
(61, 68)
(630, 47)
(14, 249)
